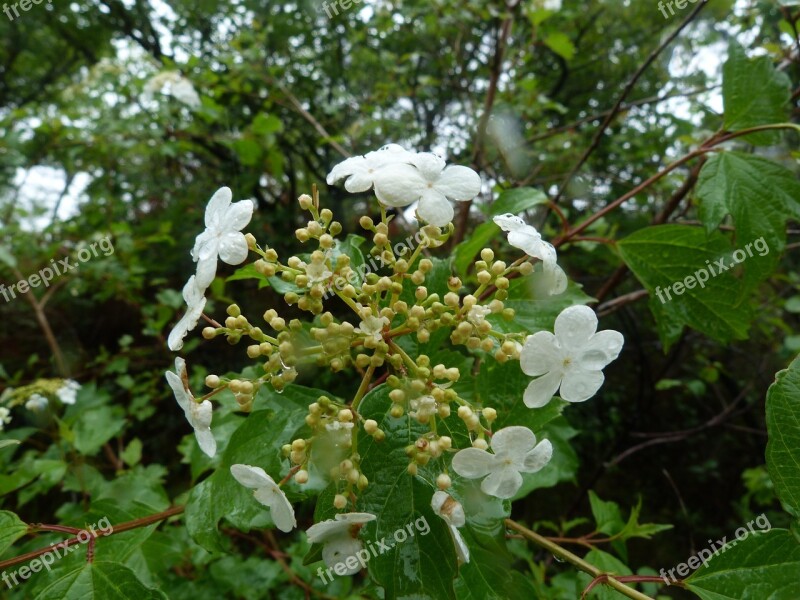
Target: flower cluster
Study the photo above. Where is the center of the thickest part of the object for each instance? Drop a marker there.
(400, 178)
(409, 296)
(36, 396)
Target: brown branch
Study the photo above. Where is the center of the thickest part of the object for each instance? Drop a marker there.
(618, 106)
(135, 524)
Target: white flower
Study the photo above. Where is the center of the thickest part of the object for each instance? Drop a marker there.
(195, 302)
(37, 403)
(341, 434)
(572, 359)
(452, 512)
(223, 236)
(340, 538)
(428, 181)
(268, 493)
(552, 5)
(198, 414)
(68, 393)
(526, 238)
(515, 451)
(373, 326)
(5, 417)
(317, 272)
(360, 171)
(477, 314)
(423, 408)
(179, 88)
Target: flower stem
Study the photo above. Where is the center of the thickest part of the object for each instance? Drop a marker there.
(571, 558)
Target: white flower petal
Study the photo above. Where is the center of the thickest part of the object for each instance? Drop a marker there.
(509, 222)
(206, 441)
(575, 326)
(399, 185)
(537, 458)
(462, 551)
(233, 248)
(182, 396)
(528, 240)
(513, 443)
(206, 271)
(540, 391)
(502, 483)
(602, 348)
(578, 385)
(360, 181)
(355, 518)
(282, 511)
(205, 246)
(251, 477)
(217, 207)
(459, 183)
(556, 278)
(338, 550)
(435, 208)
(238, 215)
(202, 414)
(473, 463)
(345, 168)
(540, 354)
(429, 165)
(323, 531)
(449, 509)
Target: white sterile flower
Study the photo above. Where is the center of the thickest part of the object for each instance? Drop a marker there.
(195, 303)
(5, 417)
(428, 181)
(477, 314)
(198, 414)
(449, 509)
(179, 88)
(515, 451)
(360, 171)
(373, 326)
(68, 393)
(268, 493)
(223, 235)
(339, 536)
(341, 434)
(572, 359)
(526, 238)
(37, 403)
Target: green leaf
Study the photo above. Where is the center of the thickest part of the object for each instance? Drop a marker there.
(7, 257)
(99, 581)
(754, 93)
(95, 426)
(760, 195)
(256, 442)
(249, 272)
(517, 200)
(7, 443)
(132, 455)
(607, 515)
(608, 564)
(666, 254)
(783, 428)
(560, 44)
(398, 499)
(351, 247)
(11, 529)
(763, 565)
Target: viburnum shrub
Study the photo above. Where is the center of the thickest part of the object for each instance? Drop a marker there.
(414, 439)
